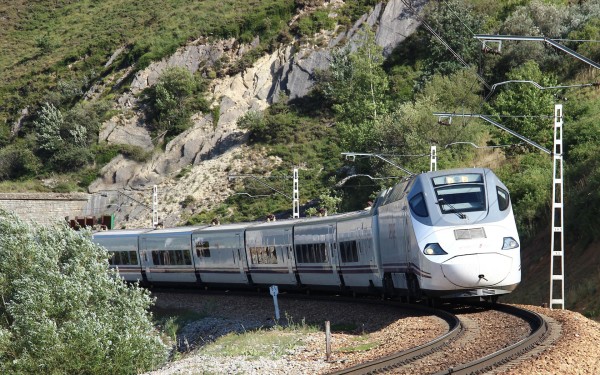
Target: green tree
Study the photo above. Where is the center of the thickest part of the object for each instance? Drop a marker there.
(525, 99)
(455, 23)
(63, 311)
(17, 161)
(357, 87)
(171, 101)
(48, 125)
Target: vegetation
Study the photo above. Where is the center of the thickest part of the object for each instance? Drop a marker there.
(64, 311)
(265, 342)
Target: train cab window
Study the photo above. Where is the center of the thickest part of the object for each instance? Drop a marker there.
(202, 249)
(503, 198)
(348, 251)
(417, 204)
(460, 193)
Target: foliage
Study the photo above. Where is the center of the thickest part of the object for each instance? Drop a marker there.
(64, 311)
(529, 180)
(314, 22)
(357, 86)
(18, 162)
(48, 125)
(454, 22)
(526, 100)
(171, 101)
(330, 203)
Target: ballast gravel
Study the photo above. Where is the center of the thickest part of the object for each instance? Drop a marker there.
(384, 328)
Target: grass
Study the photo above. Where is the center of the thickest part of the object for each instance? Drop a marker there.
(254, 344)
(47, 42)
(362, 343)
(264, 342)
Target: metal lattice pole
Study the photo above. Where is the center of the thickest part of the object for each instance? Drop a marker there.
(433, 159)
(557, 245)
(154, 206)
(295, 195)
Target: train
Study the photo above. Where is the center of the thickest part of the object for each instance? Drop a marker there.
(434, 235)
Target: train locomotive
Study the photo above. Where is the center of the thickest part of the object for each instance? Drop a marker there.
(442, 234)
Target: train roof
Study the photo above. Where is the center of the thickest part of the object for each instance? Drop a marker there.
(444, 172)
(120, 232)
(277, 224)
(335, 218)
(225, 227)
(174, 230)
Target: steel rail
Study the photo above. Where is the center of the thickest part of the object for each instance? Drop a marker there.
(406, 356)
(540, 328)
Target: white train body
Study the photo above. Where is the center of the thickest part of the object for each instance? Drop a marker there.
(439, 234)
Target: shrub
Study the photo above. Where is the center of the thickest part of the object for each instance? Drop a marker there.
(17, 162)
(64, 311)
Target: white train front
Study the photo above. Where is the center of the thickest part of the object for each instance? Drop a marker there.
(445, 234)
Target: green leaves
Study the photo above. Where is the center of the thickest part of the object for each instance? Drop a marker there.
(525, 99)
(357, 86)
(64, 311)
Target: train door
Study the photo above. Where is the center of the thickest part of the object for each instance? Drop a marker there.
(268, 251)
(219, 258)
(166, 258)
(316, 256)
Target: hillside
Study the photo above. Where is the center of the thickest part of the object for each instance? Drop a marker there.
(113, 98)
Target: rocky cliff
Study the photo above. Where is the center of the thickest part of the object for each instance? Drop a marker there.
(208, 152)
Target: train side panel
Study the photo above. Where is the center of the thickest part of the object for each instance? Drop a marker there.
(219, 254)
(358, 258)
(270, 255)
(167, 255)
(315, 253)
(123, 246)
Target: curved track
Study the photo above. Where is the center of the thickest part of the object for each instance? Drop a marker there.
(539, 332)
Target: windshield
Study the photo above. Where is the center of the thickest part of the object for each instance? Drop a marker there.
(460, 193)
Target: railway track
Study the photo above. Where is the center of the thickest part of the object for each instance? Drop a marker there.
(468, 325)
(401, 362)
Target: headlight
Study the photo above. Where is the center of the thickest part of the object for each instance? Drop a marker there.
(509, 243)
(433, 249)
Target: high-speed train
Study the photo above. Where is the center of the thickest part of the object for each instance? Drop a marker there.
(446, 234)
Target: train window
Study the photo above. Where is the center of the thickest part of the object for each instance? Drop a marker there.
(503, 198)
(123, 258)
(263, 255)
(311, 253)
(461, 198)
(171, 257)
(202, 249)
(417, 204)
(348, 251)
(115, 258)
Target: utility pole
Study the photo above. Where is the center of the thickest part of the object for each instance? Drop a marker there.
(557, 243)
(433, 159)
(154, 206)
(295, 195)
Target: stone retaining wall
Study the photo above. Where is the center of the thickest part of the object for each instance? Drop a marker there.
(45, 208)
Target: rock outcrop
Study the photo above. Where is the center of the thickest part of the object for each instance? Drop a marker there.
(289, 70)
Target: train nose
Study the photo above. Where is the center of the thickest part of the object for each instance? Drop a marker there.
(477, 270)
